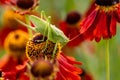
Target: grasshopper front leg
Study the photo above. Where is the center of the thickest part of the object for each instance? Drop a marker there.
(55, 49)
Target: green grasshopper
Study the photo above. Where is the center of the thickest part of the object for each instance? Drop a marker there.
(43, 26)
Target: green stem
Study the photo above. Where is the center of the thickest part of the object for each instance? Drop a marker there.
(107, 61)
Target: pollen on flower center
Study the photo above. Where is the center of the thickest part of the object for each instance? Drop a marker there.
(106, 2)
(39, 48)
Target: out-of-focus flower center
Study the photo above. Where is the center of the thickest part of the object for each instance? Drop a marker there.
(106, 2)
(25, 4)
(73, 17)
(41, 68)
(15, 42)
(39, 48)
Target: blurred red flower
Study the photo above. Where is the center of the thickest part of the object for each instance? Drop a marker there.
(12, 69)
(14, 64)
(10, 24)
(71, 29)
(101, 23)
(21, 6)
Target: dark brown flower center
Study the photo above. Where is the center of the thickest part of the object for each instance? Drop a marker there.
(106, 2)
(73, 17)
(41, 68)
(0, 73)
(17, 36)
(25, 4)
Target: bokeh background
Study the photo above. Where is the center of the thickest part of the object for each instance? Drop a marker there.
(90, 53)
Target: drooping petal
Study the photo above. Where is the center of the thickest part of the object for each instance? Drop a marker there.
(66, 68)
(116, 14)
(91, 8)
(87, 22)
(101, 29)
(113, 26)
(70, 60)
(89, 32)
(60, 76)
(68, 74)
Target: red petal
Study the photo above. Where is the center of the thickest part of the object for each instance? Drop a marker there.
(68, 74)
(67, 70)
(101, 27)
(91, 8)
(113, 26)
(116, 14)
(60, 76)
(9, 75)
(69, 60)
(68, 66)
(87, 22)
(89, 32)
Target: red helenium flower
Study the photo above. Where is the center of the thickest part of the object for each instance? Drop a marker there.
(67, 70)
(71, 29)
(101, 23)
(60, 66)
(11, 70)
(15, 64)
